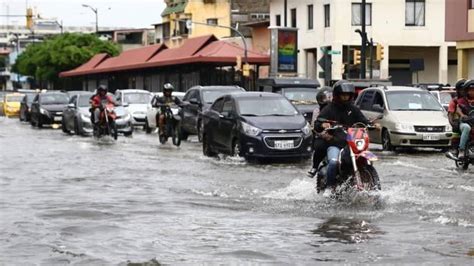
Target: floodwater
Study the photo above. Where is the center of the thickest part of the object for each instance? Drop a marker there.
(77, 200)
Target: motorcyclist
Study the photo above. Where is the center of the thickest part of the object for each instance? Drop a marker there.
(453, 115)
(166, 99)
(344, 112)
(323, 97)
(96, 103)
(465, 109)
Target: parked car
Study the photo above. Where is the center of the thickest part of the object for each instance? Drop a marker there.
(150, 123)
(444, 97)
(197, 100)
(136, 102)
(25, 106)
(256, 125)
(301, 92)
(47, 108)
(411, 117)
(77, 117)
(11, 104)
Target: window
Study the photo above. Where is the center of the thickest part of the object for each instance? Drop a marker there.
(212, 21)
(310, 17)
(378, 99)
(415, 13)
(278, 20)
(356, 14)
(293, 17)
(217, 106)
(472, 4)
(228, 107)
(366, 100)
(326, 16)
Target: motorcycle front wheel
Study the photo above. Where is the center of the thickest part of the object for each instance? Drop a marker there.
(113, 129)
(176, 134)
(370, 178)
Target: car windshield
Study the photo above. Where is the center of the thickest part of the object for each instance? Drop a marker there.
(54, 99)
(83, 101)
(301, 95)
(269, 106)
(30, 97)
(209, 96)
(136, 98)
(14, 98)
(446, 97)
(412, 101)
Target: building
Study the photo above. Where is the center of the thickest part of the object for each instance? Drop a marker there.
(460, 29)
(410, 31)
(203, 60)
(207, 14)
(129, 38)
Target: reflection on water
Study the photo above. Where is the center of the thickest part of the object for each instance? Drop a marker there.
(346, 230)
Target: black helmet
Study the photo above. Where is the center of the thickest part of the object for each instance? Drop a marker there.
(168, 87)
(101, 88)
(469, 84)
(343, 86)
(324, 95)
(460, 83)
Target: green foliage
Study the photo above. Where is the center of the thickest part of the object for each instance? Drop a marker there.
(47, 59)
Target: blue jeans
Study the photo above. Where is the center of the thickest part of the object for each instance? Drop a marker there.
(333, 156)
(465, 132)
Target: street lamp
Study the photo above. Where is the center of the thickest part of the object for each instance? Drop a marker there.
(95, 10)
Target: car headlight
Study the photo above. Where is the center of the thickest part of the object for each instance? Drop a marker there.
(250, 130)
(126, 117)
(448, 128)
(85, 117)
(307, 129)
(404, 127)
(44, 112)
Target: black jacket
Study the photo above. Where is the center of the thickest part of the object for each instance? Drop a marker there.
(157, 101)
(346, 115)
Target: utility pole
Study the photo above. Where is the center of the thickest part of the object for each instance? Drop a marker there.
(96, 11)
(364, 42)
(285, 13)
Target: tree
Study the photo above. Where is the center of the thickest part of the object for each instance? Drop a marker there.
(44, 61)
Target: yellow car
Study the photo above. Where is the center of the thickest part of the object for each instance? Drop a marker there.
(11, 104)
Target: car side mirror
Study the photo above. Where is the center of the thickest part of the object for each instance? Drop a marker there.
(377, 108)
(225, 115)
(71, 105)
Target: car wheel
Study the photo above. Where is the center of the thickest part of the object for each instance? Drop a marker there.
(206, 148)
(147, 127)
(22, 116)
(39, 123)
(64, 128)
(77, 130)
(183, 134)
(386, 141)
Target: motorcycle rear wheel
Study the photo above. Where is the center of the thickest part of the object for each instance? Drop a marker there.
(113, 129)
(370, 178)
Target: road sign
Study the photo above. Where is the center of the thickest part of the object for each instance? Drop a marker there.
(332, 52)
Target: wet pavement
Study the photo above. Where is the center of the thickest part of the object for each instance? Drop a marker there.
(77, 200)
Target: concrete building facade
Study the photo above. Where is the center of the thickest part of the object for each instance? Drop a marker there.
(407, 29)
(460, 29)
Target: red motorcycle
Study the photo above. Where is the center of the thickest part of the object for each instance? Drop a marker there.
(106, 125)
(355, 161)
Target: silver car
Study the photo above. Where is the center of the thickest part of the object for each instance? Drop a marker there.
(77, 117)
(412, 117)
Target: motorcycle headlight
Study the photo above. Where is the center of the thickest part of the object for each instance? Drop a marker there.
(250, 130)
(404, 127)
(449, 128)
(307, 129)
(360, 144)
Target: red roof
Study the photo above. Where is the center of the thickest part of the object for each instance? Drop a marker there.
(205, 49)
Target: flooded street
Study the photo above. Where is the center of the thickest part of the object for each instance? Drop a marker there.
(68, 199)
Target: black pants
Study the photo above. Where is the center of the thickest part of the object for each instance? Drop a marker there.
(320, 150)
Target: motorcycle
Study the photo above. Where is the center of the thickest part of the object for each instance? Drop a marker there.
(355, 161)
(106, 125)
(468, 151)
(172, 124)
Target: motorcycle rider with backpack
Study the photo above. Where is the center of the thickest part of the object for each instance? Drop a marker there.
(454, 116)
(465, 109)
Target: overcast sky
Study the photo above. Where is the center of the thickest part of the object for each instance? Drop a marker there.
(122, 13)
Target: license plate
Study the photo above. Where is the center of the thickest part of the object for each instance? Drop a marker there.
(284, 144)
(58, 118)
(430, 137)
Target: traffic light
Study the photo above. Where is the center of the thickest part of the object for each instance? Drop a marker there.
(379, 52)
(356, 57)
(246, 70)
(29, 18)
